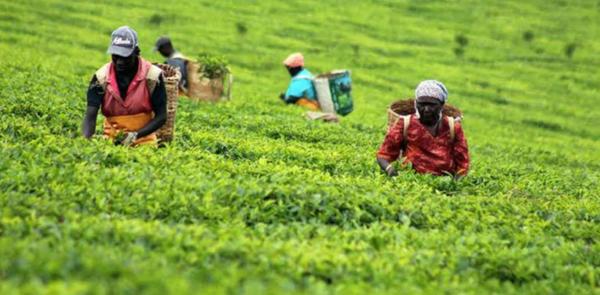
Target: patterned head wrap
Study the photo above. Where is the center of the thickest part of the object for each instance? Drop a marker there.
(432, 88)
(294, 60)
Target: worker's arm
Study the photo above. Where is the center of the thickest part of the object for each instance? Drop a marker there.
(95, 95)
(386, 166)
(460, 152)
(88, 127)
(296, 90)
(390, 149)
(290, 99)
(159, 106)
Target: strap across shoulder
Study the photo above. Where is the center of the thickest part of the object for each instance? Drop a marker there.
(451, 126)
(406, 121)
(152, 77)
(303, 77)
(153, 73)
(102, 75)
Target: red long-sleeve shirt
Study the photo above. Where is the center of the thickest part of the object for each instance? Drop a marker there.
(427, 153)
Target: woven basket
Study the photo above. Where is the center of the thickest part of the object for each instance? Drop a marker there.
(407, 107)
(193, 79)
(201, 88)
(166, 133)
(208, 89)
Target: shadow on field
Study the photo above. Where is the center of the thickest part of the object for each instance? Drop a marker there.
(554, 127)
(543, 125)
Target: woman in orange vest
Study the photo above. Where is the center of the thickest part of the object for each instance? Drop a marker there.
(130, 93)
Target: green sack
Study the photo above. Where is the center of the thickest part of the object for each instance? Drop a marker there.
(334, 92)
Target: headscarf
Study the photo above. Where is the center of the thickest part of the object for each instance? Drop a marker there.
(294, 60)
(430, 88)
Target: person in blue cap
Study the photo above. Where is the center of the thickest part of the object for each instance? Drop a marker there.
(129, 91)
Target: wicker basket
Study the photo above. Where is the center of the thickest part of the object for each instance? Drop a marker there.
(171, 78)
(201, 88)
(407, 107)
(208, 89)
(193, 79)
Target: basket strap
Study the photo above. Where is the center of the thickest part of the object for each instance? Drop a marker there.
(396, 118)
(229, 84)
(102, 76)
(179, 55)
(152, 78)
(452, 131)
(406, 123)
(303, 77)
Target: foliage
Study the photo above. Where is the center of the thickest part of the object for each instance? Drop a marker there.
(251, 198)
(212, 66)
(119, 137)
(570, 49)
(241, 28)
(461, 40)
(459, 51)
(156, 19)
(528, 36)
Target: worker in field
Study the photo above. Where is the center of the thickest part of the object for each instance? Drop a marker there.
(175, 59)
(301, 90)
(428, 141)
(129, 91)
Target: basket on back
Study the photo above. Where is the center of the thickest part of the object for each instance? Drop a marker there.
(205, 89)
(171, 79)
(334, 92)
(407, 107)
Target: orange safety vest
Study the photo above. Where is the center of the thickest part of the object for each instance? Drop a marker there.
(133, 112)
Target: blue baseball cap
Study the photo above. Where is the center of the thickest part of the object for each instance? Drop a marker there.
(124, 40)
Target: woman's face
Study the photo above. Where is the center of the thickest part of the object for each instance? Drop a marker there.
(293, 71)
(429, 109)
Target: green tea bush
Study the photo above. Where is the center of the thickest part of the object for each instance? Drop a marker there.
(570, 49)
(156, 19)
(241, 28)
(212, 66)
(528, 36)
(461, 40)
(252, 198)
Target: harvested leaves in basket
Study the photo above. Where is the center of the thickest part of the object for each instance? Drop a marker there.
(212, 66)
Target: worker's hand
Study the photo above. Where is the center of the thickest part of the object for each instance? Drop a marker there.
(393, 173)
(282, 96)
(390, 171)
(129, 139)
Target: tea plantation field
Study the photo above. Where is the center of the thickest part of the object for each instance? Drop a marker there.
(252, 199)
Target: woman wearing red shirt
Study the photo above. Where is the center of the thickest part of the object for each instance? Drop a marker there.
(428, 144)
